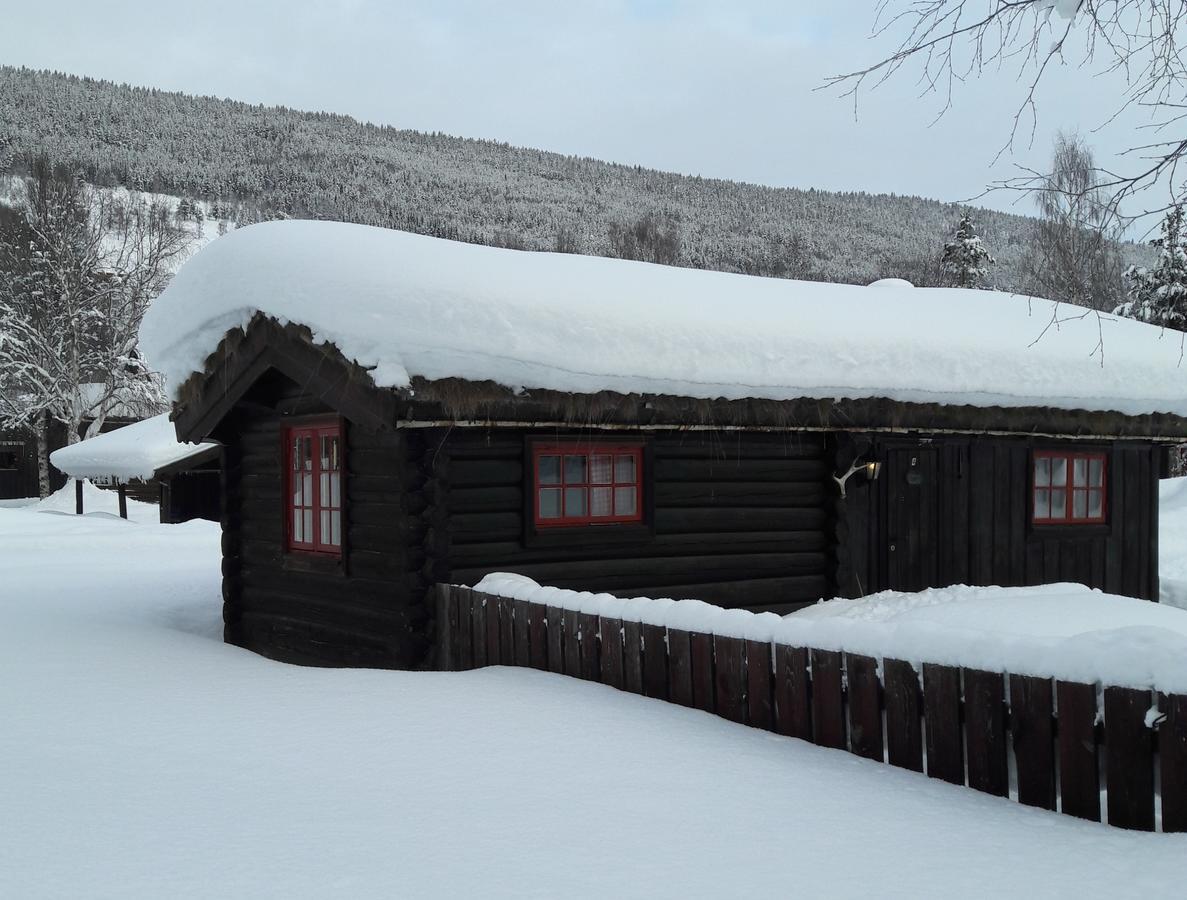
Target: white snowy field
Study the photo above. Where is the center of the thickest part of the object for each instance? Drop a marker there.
(1172, 541)
(141, 757)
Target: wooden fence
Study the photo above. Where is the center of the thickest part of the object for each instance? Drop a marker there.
(964, 726)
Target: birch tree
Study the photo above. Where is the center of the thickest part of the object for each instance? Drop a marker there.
(77, 273)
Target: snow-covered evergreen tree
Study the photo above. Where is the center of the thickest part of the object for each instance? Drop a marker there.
(76, 278)
(965, 259)
(1159, 294)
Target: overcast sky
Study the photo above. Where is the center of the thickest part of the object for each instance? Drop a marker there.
(711, 88)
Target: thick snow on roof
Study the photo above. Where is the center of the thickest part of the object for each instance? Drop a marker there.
(135, 451)
(408, 305)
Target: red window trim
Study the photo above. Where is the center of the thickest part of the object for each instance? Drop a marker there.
(315, 430)
(586, 449)
(1070, 489)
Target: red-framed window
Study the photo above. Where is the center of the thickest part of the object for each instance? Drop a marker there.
(586, 484)
(1069, 488)
(313, 458)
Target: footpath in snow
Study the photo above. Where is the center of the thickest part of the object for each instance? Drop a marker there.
(143, 758)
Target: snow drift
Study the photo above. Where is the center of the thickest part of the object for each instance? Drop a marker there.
(404, 304)
(1064, 631)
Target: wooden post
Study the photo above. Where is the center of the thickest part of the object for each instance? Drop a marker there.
(78, 496)
(122, 490)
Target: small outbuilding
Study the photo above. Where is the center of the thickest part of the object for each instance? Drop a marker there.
(145, 459)
(396, 411)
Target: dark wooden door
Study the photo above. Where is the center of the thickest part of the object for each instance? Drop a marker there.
(912, 519)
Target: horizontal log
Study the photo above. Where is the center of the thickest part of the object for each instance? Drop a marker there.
(486, 526)
(736, 445)
(707, 470)
(469, 473)
(359, 438)
(371, 462)
(684, 521)
(492, 498)
(480, 553)
(361, 614)
(740, 494)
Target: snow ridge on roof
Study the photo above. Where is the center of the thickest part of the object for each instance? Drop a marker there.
(405, 304)
(134, 452)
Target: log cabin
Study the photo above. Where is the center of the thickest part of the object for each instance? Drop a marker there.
(396, 411)
(145, 460)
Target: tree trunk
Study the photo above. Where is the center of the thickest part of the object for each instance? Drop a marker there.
(41, 429)
(96, 425)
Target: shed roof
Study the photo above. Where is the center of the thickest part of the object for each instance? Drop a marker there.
(136, 452)
(404, 305)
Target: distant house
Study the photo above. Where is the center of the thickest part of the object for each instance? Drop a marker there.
(146, 459)
(397, 411)
(18, 447)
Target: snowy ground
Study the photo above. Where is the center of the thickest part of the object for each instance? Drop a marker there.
(141, 757)
(1172, 541)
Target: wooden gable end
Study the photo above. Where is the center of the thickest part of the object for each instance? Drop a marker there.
(245, 355)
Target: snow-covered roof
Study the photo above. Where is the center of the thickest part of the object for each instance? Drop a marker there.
(404, 305)
(134, 452)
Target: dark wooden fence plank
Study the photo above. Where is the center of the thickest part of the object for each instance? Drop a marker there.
(865, 706)
(700, 648)
(1079, 777)
(632, 657)
(478, 604)
(522, 632)
(941, 714)
(904, 715)
(828, 701)
(1172, 752)
(1129, 759)
(587, 633)
(679, 667)
(506, 608)
(759, 702)
(985, 732)
(610, 652)
(465, 635)
(1034, 740)
(655, 661)
(729, 658)
(571, 642)
(493, 657)
(556, 639)
(445, 626)
(793, 701)
(537, 615)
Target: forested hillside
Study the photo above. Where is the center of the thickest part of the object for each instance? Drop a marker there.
(250, 162)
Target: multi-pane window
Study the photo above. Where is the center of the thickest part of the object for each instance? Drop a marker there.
(1069, 488)
(583, 484)
(314, 499)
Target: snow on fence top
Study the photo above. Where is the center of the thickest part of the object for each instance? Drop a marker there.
(405, 304)
(1064, 631)
(136, 451)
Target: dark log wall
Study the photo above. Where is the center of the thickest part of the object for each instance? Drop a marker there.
(366, 609)
(19, 480)
(979, 490)
(739, 519)
(193, 494)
